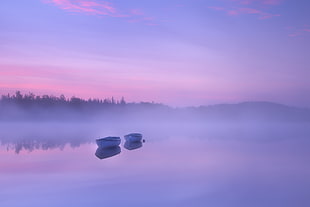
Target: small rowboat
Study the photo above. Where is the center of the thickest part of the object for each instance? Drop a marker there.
(108, 142)
(133, 137)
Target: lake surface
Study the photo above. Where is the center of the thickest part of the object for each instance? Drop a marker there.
(53, 164)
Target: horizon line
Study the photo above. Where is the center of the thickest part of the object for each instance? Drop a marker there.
(67, 98)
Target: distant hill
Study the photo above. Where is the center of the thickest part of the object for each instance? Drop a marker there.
(256, 111)
(31, 107)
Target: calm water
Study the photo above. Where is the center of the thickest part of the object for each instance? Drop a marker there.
(55, 165)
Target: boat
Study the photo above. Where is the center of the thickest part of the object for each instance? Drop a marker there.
(103, 153)
(108, 142)
(133, 145)
(133, 137)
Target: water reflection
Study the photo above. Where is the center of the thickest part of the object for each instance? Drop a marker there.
(41, 144)
(106, 152)
(232, 167)
(133, 145)
(32, 136)
(19, 136)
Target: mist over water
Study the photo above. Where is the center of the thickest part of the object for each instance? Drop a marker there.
(49, 135)
(180, 164)
(248, 154)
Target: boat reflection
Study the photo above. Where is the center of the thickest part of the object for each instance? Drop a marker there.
(133, 137)
(133, 145)
(106, 152)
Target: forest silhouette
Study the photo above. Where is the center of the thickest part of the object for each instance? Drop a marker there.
(48, 107)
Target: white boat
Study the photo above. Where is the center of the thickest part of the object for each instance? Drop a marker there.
(108, 142)
(133, 137)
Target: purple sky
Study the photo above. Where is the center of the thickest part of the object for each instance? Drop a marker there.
(177, 52)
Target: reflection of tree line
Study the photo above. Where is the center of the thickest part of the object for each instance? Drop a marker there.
(49, 144)
(40, 144)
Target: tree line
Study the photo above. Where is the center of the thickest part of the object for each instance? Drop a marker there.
(31, 100)
(49, 100)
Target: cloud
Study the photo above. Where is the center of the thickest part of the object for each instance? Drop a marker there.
(137, 12)
(139, 16)
(272, 2)
(245, 10)
(90, 7)
(216, 8)
(298, 31)
(101, 8)
(294, 34)
(261, 2)
(232, 12)
(248, 7)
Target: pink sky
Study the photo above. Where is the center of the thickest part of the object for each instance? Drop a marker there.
(197, 53)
